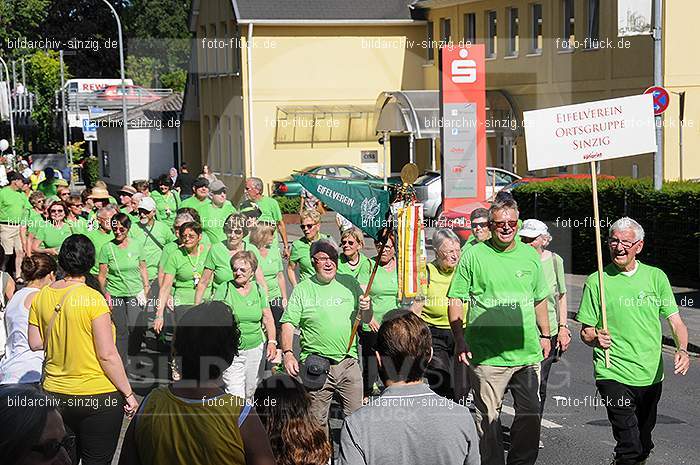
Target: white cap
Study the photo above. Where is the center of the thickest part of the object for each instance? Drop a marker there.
(147, 203)
(533, 228)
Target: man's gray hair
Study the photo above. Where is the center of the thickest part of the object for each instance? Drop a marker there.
(442, 235)
(626, 223)
(109, 208)
(257, 184)
(508, 204)
(184, 217)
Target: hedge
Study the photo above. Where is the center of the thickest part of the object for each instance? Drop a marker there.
(288, 204)
(670, 217)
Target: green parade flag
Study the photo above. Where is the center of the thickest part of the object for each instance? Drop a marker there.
(364, 206)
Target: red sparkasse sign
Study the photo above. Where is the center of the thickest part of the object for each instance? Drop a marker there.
(463, 124)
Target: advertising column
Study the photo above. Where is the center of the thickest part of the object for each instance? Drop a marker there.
(463, 125)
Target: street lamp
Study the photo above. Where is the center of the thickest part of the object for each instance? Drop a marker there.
(9, 98)
(121, 69)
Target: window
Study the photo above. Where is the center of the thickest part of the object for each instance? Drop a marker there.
(445, 30)
(593, 29)
(429, 38)
(568, 30)
(213, 52)
(513, 32)
(491, 36)
(470, 28)
(536, 28)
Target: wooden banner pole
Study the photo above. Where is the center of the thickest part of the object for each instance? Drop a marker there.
(599, 253)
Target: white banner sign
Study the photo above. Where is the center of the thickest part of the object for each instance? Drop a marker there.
(592, 131)
(633, 18)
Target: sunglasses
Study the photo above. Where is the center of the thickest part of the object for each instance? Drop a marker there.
(50, 449)
(237, 231)
(348, 242)
(502, 224)
(143, 212)
(119, 229)
(307, 226)
(323, 260)
(242, 269)
(57, 211)
(480, 225)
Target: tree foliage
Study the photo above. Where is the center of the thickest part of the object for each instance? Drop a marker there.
(20, 19)
(44, 78)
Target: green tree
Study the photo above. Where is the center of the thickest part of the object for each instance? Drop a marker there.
(174, 80)
(43, 79)
(142, 70)
(20, 19)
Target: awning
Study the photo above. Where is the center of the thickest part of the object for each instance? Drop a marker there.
(417, 112)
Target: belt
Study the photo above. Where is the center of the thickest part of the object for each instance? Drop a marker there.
(10, 223)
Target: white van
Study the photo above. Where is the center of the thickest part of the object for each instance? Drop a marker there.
(87, 86)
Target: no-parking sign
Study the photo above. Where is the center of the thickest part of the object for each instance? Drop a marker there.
(661, 99)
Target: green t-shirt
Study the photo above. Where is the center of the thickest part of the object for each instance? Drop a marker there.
(384, 294)
(436, 301)
(12, 205)
(123, 274)
(502, 288)
(187, 270)
(32, 220)
(270, 265)
(362, 270)
(300, 254)
(554, 275)
(471, 242)
(325, 313)
(48, 188)
(152, 252)
(166, 205)
(168, 250)
(52, 237)
(248, 311)
(269, 210)
(78, 226)
(194, 202)
(634, 305)
(98, 239)
(213, 219)
(219, 261)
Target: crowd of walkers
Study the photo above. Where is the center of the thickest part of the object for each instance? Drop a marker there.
(254, 371)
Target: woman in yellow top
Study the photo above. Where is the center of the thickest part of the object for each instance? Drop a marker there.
(441, 373)
(82, 366)
(193, 421)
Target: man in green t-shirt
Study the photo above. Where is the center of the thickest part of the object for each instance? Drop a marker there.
(152, 237)
(507, 333)
(269, 209)
(324, 308)
(214, 215)
(200, 200)
(479, 224)
(636, 295)
(13, 204)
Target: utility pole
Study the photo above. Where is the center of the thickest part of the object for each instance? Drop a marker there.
(63, 108)
(658, 81)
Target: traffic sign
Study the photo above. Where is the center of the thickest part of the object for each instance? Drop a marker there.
(89, 130)
(661, 99)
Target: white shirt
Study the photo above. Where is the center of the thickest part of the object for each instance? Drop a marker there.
(20, 364)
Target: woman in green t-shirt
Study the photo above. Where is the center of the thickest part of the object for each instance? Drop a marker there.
(181, 273)
(124, 281)
(248, 302)
(384, 296)
(32, 220)
(352, 261)
(50, 236)
(270, 265)
(218, 262)
(167, 200)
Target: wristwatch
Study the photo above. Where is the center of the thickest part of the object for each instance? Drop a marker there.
(542, 336)
(284, 352)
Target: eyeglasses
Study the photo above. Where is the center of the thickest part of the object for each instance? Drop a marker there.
(119, 229)
(348, 242)
(483, 224)
(323, 260)
(58, 210)
(502, 224)
(189, 236)
(50, 449)
(307, 226)
(614, 242)
(241, 269)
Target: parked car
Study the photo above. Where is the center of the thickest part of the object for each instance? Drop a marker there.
(133, 94)
(290, 188)
(429, 188)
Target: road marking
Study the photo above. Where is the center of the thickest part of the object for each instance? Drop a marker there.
(545, 423)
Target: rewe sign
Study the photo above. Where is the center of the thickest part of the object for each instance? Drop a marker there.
(592, 131)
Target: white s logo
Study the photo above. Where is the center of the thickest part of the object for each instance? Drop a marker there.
(463, 71)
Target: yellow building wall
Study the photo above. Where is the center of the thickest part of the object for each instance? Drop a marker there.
(555, 76)
(324, 66)
(681, 73)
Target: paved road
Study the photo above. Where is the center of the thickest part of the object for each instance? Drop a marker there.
(575, 432)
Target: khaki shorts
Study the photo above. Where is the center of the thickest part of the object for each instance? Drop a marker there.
(9, 238)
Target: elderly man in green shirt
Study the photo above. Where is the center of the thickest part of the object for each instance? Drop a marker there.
(636, 295)
(269, 209)
(507, 334)
(13, 204)
(324, 307)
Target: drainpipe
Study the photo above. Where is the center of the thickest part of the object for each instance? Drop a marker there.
(251, 132)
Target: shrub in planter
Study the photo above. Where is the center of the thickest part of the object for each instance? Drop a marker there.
(289, 204)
